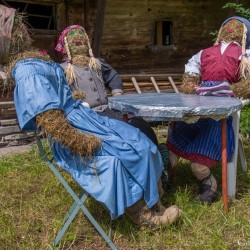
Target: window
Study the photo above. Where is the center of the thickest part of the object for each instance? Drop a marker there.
(39, 16)
(163, 34)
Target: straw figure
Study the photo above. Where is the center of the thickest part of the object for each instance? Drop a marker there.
(116, 163)
(221, 70)
(89, 77)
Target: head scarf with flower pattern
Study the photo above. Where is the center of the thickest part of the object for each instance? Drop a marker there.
(74, 42)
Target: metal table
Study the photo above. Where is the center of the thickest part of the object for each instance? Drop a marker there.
(181, 107)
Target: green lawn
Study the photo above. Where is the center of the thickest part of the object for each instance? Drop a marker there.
(32, 204)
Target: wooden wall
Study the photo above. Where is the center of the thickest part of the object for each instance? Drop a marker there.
(128, 38)
(81, 12)
(129, 29)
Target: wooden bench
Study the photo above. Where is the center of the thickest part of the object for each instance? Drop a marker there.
(150, 83)
(10, 133)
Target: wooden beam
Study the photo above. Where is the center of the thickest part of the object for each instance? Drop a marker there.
(99, 23)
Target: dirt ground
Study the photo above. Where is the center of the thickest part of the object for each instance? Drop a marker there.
(6, 151)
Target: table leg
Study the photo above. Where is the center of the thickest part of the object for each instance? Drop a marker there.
(125, 118)
(224, 163)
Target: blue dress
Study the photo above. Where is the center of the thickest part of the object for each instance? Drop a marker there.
(126, 167)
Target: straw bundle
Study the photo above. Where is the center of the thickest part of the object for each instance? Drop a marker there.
(242, 88)
(55, 124)
(189, 82)
(20, 37)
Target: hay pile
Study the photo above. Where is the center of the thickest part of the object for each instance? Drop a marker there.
(20, 37)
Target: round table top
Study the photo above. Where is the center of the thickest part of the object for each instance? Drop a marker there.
(175, 106)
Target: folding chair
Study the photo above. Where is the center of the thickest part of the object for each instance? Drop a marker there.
(239, 149)
(77, 205)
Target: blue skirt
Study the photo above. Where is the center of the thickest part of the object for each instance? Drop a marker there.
(202, 138)
(125, 169)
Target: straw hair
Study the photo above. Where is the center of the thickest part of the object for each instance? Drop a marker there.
(20, 37)
(244, 64)
(81, 60)
(244, 67)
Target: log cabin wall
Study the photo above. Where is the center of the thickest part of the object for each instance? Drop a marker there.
(80, 12)
(55, 16)
(130, 27)
(132, 30)
(139, 37)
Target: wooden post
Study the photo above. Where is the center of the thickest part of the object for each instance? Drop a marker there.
(136, 85)
(173, 84)
(125, 118)
(99, 24)
(155, 84)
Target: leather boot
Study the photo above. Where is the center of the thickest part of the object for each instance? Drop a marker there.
(208, 184)
(144, 216)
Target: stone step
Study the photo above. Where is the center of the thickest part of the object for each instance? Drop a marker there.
(18, 136)
(8, 122)
(9, 130)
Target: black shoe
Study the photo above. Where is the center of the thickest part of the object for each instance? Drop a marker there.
(207, 194)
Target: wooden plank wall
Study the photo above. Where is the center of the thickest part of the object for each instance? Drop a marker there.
(10, 132)
(81, 12)
(128, 38)
(129, 30)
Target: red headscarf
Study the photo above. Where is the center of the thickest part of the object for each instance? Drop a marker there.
(60, 47)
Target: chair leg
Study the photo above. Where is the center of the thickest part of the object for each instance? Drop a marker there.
(232, 166)
(98, 228)
(71, 214)
(82, 197)
(77, 205)
(243, 160)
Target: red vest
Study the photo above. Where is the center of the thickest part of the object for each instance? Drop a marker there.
(220, 67)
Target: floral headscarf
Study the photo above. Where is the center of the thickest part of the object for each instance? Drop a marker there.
(60, 47)
(94, 63)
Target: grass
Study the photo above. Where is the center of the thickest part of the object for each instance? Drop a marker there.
(33, 203)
